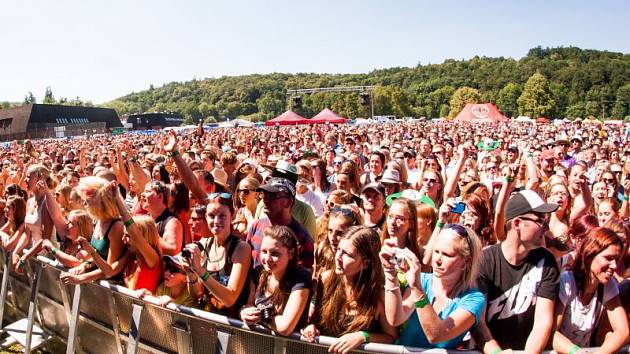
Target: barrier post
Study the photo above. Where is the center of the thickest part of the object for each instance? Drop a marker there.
(223, 340)
(134, 330)
(73, 323)
(115, 323)
(184, 344)
(31, 308)
(5, 285)
(279, 345)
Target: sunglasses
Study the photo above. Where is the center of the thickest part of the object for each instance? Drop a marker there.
(608, 180)
(538, 221)
(460, 231)
(245, 191)
(172, 269)
(345, 212)
(220, 195)
(430, 180)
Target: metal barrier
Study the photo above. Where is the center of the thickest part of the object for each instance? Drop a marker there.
(106, 318)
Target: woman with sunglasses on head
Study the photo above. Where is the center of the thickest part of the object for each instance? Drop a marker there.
(282, 297)
(219, 264)
(107, 238)
(437, 309)
(588, 291)
(246, 201)
(349, 298)
(340, 219)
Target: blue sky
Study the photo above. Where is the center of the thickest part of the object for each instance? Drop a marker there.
(100, 50)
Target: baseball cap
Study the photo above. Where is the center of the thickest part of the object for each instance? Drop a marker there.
(278, 185)
(175, 261)
(527, 201)
(375, 186)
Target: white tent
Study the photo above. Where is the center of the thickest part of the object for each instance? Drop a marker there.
(362, 121)
(227, 124)
(523, 119)
(242, 123)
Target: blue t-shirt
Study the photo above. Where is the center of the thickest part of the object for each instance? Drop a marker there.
(412, 334)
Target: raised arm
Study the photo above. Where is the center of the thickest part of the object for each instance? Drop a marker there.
(451, 181)
(185, 172)
(583, 201)
(502, 199)
(54, 210)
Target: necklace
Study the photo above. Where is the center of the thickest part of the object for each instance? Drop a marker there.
(216, 257)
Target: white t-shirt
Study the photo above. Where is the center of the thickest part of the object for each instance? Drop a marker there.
(313, 200)
(579, 320)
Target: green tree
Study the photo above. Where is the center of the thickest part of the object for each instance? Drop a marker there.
(30, 98)
(5, 104)
(48, 96)
(507, 100)
(621, 108)
(269, 105)
(536, 99)
(461, 97)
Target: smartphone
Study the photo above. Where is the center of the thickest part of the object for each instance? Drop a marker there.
(459, 208)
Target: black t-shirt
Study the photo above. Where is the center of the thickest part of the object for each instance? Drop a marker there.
(511, 292)
(299, 279)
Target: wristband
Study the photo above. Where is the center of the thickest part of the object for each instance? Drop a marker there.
(439, 224)
(205, 276)
(174, 153)
(496, 351)
(626, 198)
(529, 154)
(21, 263)
(128, 222)
(366, 336)
(391, 289)
(54, 250)
(422, 302)
(509, 179)
(574, 349)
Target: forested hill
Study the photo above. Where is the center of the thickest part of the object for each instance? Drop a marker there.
(552, 82)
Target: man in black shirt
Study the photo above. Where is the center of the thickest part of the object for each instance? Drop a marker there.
(520, 280)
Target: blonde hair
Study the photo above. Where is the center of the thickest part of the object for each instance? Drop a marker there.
(83, 221)
(148, 230)
(104, 207)
(44, 173)
(469, 247)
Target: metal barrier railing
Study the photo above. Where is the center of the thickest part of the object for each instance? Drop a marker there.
(107, 318)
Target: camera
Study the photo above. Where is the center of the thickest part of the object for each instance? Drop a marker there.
(399, 257)
(267, 311)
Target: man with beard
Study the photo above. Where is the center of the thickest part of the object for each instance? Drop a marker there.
(373, 211)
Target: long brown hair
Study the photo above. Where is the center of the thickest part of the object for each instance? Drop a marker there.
(19, 211)
(412, 234)
(286, 238)
(596, 241)
(486, 230)
(334, 316)
(324, 255)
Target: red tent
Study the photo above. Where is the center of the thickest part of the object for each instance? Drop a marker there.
(287, 118)
(481, 113)
(327, 116)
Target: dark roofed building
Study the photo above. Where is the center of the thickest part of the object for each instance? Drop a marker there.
(50, 120)
(157, 120)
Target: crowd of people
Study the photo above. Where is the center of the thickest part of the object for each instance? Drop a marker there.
(432, 235)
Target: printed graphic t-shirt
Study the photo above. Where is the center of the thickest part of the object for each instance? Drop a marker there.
(511, 292)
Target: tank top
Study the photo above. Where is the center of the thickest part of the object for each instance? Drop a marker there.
(102, 245)
(33, 218)
(161, 222)
(223, 276)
